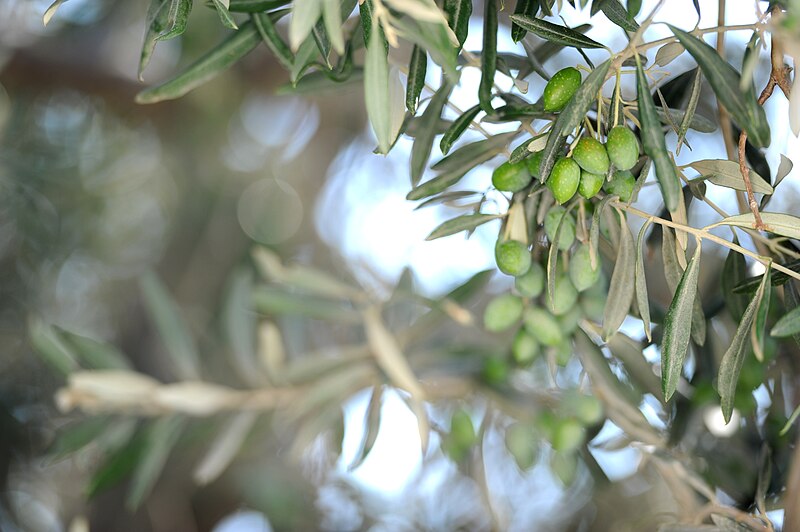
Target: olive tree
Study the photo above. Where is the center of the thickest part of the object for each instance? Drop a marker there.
(637, 301)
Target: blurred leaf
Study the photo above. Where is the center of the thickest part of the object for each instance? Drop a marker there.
(76, 436)
(570, 117)
(750, 284)
(668, 53)
(743, 106)
(458, 127)
(653, 142)
(617, 14)
(555, 33)
(278, 302)
(594, 230)
(621, 289)
(372, 424)
(488, 55)
(788, 325)
(789, 422)
(176, 19)
(51, 347)
(256, 6)
(305, 14)
(376, 91)
(733, 359)
(224, 447)
(527, 8)
(464, 222)
(447, 198)
(784, 169)
(417, 68)
(207, 67)
(453, 167)
(726, 174)
(552, 257)
(271, 351)
(678, 326)
(305, 59)
(421, 149)
(161, 437)
(269, 34)
(764, 478)
(119, 465)
(155, 24)
(458, 13)
(224, 15)
(50, 11)
(691, 107)
(640, 371)
(239, 321)
(95, 354)
(775, 222)
(435, 37)
(310, 280)
(640, 282)
(332, 17)
(166, 316)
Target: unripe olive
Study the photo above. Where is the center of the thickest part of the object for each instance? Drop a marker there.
(531, 283)
(511, 177)
(567, 234)
(590, 184)
(591, 155)
(525, 348)
(568, 435)
(521, 443)
(495, 370)
(564, 466)
(562, 353)
(502, 312)
(621, 184)
(560, 88)
(622, 147)
(533, 163)
(543, 326)
(462, 431)
(564, 179)
(570, 320)
(513, 257)
(588, 409)
(564, 295)
(580, 269)
(593, 301)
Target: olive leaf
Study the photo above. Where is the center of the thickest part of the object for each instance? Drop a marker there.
(305, 14)
(668, 53)
(616, 13)
(376, 91)
(458, 13)
(421, 150)
(239, 325)
(94, 354)
(255, 6)
(51, 347)
(528, 8)
(733, 359)
(206, 68)
(278, 302)
(488, 55)
(177, 19)
(555, 33)
(224, 15)
(161, 437)
(677, 327)
(734, 272)
(621, 288)
(594, 231)
(725, 80)
(775, 222)
(417, 67)
(653, 142)
(572, 115)
(156, 22)
(372, 422)
(457, 128)
(640, 281)
(726, 173)
(788, 325)
(784, 168)
(464, 222)
(691, 107)
(760, 325)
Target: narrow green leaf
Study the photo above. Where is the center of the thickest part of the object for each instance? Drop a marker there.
(760, 325)
(305, 58)
(417, 68)
(156, 22)
(305, 14)
(372, 422)
(206, 68)
(376, 91)
(668, 53)
(269, 34)
(224, 15)
(642, 301)
(488, 56)
(255, 6)
(594, 231)
(76, 436)
(166, 316)
(95, 354)
(726, 173)
(733, 359)
(51, 347)
(784, 168)
(691, 107)
(622, 286)
(239, 325)
(653, 142)
(725, 80)
(332, 18)
(734, 272)
(527, 8)
(775, 222)
(277, 302)
(677, 327)
(162, 436)
(177, 19)
(555, 33)
(458, 127)
(117, 466)
(436, 38)
(788, 325)
(458, 13)
(552, 258)
(617, 14)
(464, 222)
(421, 150)
(571, 116)
(448, 198)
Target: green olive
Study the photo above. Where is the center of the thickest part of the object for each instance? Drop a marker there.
(521, 443)
(567, 234)
(568, 435)
(531, 283)
(462, 431)
(590, 184)
(570, 320)
(560, 88)
(621, 184)
(580, 269)
(564, 179)
(495, 370)
(543, 326)
(562, 353)
(622, 147)
(564, 295)
(588, 409)
(564, 466)
(502, 312)
(533, 162)
(525, 348)
(511, 177)
(591, 155)
(513, 257)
